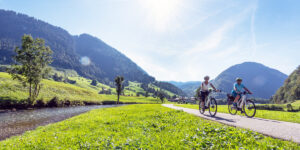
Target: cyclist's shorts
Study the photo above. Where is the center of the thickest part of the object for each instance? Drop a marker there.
(234, 94)
(203, 95)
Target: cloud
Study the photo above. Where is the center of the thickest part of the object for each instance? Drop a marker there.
(212, 41)
(253, 36)
(215, 39)
(228, 51)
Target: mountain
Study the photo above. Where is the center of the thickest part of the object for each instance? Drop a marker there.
(170, 87)
(290, 91)
(68, 50)
(189, 87)
(106, 62)
(261, 80)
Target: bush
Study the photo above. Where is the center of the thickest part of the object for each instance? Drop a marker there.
(54, 102)
(40, 103)
(67, 80)
(270, 107)
(291, 109)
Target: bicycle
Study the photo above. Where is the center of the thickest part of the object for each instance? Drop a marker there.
(210, 103)
(244, 105)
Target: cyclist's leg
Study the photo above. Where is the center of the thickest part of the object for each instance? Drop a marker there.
(202, 95)
(236, 98)
(205, 98)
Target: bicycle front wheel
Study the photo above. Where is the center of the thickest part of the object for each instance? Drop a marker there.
(249, 109)
(212, 107)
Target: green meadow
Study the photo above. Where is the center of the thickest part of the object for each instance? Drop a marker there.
(12, 90)
(141, 127)
(266, 114)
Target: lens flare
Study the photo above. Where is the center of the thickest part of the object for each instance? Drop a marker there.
(85, 61)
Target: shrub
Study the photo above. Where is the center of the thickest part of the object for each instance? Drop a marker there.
(40, 103)
(269, 107)
(54, 102)
(289, 107)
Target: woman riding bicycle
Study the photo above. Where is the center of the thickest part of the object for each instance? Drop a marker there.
(237, 91)
(204, 90)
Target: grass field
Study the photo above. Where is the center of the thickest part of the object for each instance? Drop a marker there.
(141, 127)
(266, 114)
(12, 90)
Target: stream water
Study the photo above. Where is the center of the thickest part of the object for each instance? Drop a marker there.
(14, 123)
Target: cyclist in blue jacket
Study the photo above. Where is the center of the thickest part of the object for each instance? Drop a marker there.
(238, 88)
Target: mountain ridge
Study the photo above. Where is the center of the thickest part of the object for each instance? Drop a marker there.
(188, 87)
(69, 49)
(263, 81)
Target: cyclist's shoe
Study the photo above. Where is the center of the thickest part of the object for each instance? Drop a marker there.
(234, 106)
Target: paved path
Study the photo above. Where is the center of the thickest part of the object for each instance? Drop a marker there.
(273, 128)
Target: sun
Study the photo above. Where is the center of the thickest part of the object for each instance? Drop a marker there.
(161, 13)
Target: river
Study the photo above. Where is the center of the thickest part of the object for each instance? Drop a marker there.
(15, 123)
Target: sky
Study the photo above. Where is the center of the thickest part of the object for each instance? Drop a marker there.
(182, 40)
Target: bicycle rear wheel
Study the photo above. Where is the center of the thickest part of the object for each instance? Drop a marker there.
(249, 108)
(201, 109)
(212, 107)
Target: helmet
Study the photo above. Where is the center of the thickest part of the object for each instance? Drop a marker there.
(206, 77)
(238, 79)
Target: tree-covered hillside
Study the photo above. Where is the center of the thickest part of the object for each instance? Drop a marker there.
(261, 80)
(106, 62)
(290, 91)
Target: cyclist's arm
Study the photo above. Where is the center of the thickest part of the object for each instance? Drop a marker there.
(213, 87)
(248, 90)
(235, 89)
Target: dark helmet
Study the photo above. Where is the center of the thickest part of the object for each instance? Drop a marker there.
(238, 79)
(206, 77)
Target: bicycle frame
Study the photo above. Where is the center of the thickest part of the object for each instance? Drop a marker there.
(242, 100)
(208, 99)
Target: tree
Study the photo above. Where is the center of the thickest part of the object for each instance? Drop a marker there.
(197, 92)
(147, 94)
(118, 81)
(31, 64)
(57, 78)
(161, 96)
(94, 82)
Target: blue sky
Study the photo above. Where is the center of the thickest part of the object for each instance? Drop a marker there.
(182, 40)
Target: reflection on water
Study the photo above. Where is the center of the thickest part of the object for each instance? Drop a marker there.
(13, 123)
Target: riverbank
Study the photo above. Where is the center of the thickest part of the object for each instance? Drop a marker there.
(15, 123)
(11, 106)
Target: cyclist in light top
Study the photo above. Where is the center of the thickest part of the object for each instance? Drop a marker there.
(238, 87)
(204, 90)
